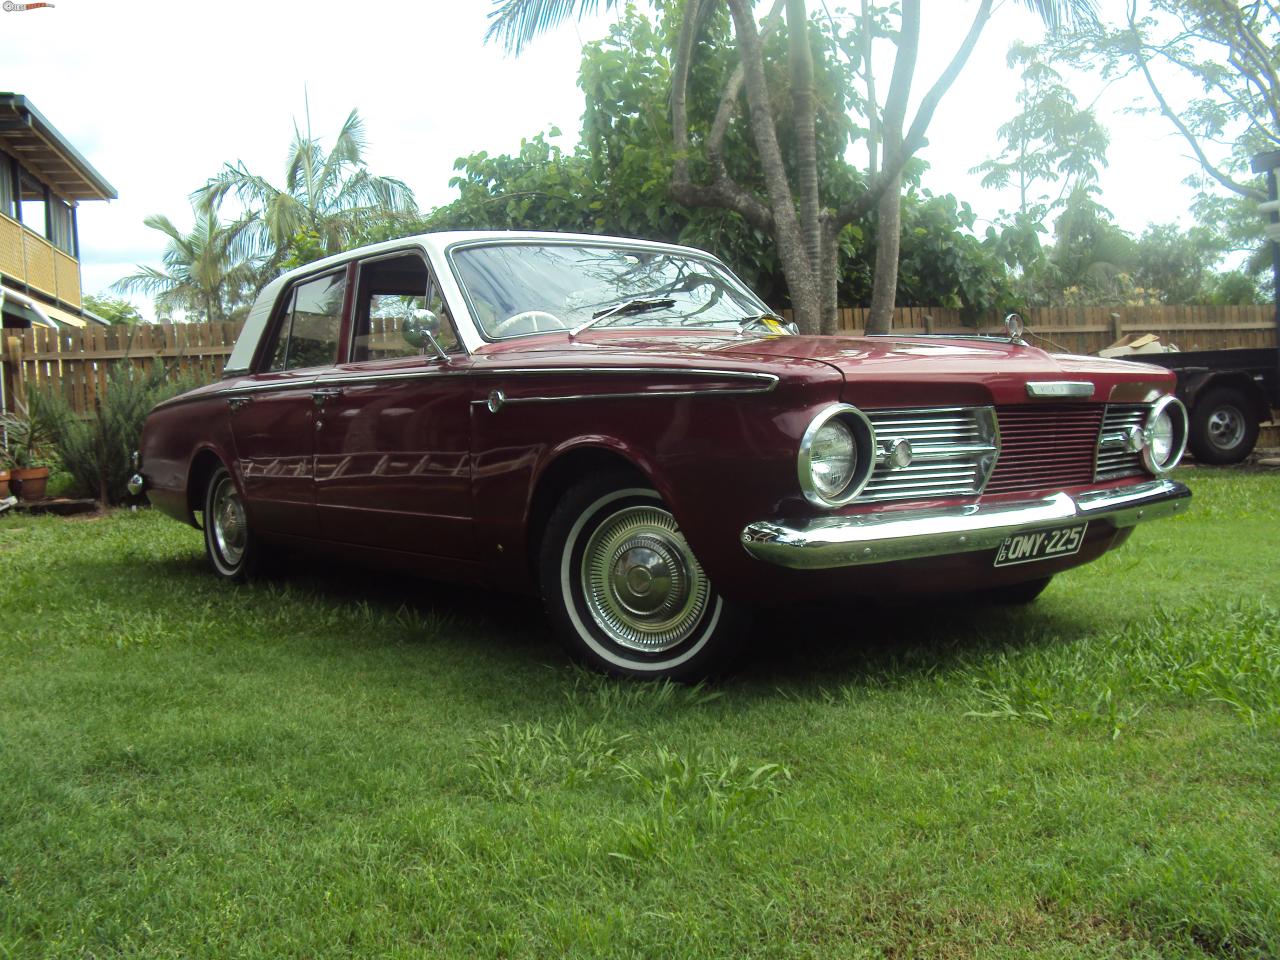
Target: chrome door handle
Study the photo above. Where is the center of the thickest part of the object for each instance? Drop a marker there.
(235, 403)
(322, 395)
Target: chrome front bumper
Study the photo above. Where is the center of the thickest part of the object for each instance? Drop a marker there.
(910, 534)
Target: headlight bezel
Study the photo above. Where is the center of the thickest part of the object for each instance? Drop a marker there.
(1181, 429)
(864, 438)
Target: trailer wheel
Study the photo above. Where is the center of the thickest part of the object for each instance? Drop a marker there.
(1223, 426)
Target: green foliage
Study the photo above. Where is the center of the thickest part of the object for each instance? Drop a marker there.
(98, 451)
(1232, 288)
(1051, 140)
(115, 310)
(210, 273)
(328, 196)
(616, 180)
(1094, 262)
(27, 440)
(1211, 68)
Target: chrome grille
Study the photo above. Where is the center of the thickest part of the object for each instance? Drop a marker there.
(952, 452)
(1114, 459)
(1046, 445)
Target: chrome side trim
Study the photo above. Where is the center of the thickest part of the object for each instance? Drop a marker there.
(763, 382)
(570, 397)
(891, 535)
(771, 379)
(1075, 389)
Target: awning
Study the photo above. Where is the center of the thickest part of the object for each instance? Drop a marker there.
(63, 316)
(27, 135)
(23, 308)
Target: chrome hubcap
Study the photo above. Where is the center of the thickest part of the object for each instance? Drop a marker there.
(230, 532)
(642, 583)
(1226, 427)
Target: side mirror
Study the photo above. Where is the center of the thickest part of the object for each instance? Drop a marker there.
(420, 329)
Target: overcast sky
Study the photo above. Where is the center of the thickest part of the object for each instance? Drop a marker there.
(157, 95)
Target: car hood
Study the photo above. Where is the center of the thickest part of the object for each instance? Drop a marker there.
(876, 370)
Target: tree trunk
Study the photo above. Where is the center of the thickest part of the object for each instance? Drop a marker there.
(803, 108)
(799, 269)
(830, 266)
(884, 287)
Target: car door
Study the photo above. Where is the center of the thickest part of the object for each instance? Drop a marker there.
(273, 416)
(393, 461)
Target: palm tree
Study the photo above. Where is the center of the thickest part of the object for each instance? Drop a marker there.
(329, 197)
(208, 272)
(805, 230)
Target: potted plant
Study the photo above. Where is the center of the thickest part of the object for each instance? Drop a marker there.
(23, 442)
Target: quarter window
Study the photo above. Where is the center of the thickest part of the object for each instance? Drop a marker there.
(309, 330)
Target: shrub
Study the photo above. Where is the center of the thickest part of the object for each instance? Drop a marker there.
(98, 451)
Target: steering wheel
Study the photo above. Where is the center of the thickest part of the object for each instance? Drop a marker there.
(529, 321)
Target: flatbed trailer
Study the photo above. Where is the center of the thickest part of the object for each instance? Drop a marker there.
(1228, 393)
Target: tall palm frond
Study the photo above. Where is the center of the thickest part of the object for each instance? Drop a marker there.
(329, 195)
(204, 271)
(1056, 14)
(516, 22)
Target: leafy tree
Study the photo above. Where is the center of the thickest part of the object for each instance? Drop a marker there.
(1228, 52)
(616, 180)
(1050, 141)
(327, 200)
(1176, 264)
(792, 202)
(208, 273)
(115, 310)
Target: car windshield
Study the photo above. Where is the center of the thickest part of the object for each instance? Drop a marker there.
(520, 288)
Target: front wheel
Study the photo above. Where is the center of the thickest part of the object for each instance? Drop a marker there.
(233, 551)
(624, 590)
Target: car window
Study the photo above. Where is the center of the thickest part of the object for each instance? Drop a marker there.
(395, 306)
(309, 331)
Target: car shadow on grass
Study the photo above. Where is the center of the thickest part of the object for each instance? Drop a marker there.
(888, 643)
(801, 650)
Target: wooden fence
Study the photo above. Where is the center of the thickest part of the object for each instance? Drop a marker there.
(1090, 329)
(76, 363)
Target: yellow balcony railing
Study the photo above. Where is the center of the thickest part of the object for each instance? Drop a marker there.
(33, 260)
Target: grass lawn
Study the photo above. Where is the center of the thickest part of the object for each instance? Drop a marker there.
(349, 764)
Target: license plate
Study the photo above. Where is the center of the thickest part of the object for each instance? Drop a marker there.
(1041, 545)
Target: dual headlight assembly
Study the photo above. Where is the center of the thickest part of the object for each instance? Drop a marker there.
(839, 450)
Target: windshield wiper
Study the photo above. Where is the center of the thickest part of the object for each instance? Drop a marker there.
(638, 305)
(770, 321)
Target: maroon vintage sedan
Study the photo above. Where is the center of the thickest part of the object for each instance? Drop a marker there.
(627, 429)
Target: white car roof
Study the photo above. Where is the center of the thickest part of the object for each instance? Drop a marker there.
(435, 245)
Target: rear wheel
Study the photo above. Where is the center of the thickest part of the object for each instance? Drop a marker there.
(625, 591)
(1223, 426)
(233, 551)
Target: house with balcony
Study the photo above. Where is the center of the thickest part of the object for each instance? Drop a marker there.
(43, 180)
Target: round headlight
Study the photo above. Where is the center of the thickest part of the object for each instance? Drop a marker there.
(832, 459)
(1165, 432)
(837, 455)
(1162, 438)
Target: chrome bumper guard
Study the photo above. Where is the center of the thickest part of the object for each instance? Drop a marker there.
(910, 534)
